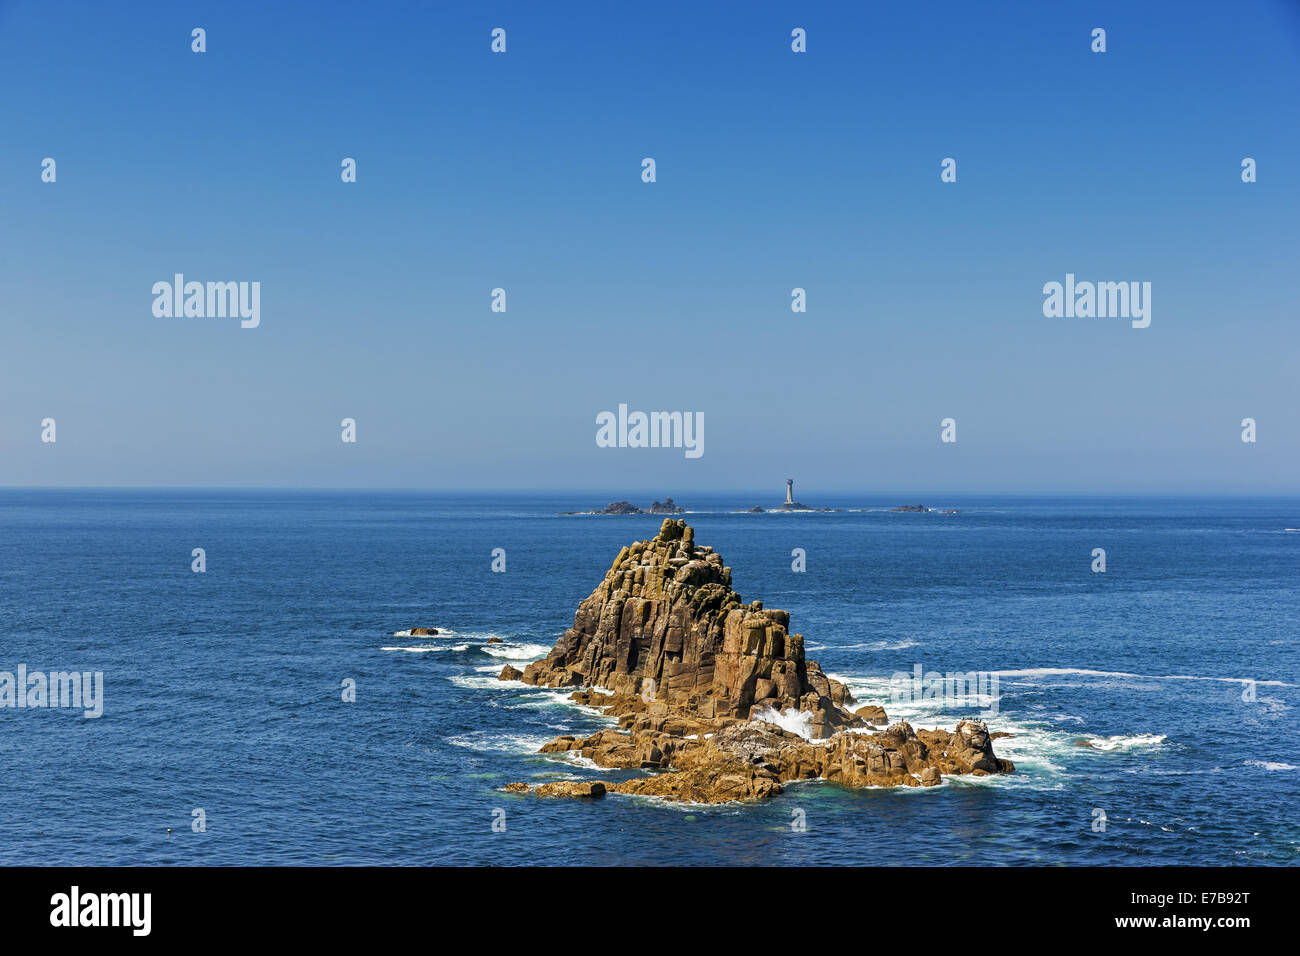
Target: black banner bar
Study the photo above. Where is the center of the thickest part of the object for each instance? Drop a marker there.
(368, 904)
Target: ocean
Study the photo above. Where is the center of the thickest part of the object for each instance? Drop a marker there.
(224, 719)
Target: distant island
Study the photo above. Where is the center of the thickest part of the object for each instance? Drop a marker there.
(665, 507)
(670, 507)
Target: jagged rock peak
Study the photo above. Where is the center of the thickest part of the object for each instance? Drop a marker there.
(704, 685)
(666, 625)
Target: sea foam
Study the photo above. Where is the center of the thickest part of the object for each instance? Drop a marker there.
(794, 721)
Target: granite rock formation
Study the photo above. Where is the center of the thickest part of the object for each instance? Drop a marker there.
(698, 680)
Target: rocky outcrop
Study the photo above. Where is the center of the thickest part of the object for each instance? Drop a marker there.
(697, 679)
(510, 673)
(424, 632)
(872, 714)
(666, 625)
(570, 788)
(665, 507)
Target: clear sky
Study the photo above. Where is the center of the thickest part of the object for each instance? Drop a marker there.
(775, 170)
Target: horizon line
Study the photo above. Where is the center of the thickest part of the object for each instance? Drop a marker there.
(405, 489)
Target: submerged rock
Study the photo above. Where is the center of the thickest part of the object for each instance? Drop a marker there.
(570, 788)
(705, 685)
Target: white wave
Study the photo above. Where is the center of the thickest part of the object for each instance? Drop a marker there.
(1269, 765)
(516, 652)
(1126, 741)
(536, 698)
(499, 743)
(545, 697)
(1084, 672)
(878, 645)
(429, 648)
(1039, 751)
(483, 683)
(926, 714)
(575, 758)
(792, 720)
(922, 713)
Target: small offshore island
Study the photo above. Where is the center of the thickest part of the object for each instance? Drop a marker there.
(696, 677)
(665, 507)
(670, 507)
(788, 505)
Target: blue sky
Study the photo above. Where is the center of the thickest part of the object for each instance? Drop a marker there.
(775, 170)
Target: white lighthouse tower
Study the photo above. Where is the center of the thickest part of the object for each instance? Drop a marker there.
(789, 491)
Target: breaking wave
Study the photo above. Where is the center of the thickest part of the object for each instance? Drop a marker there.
(1085, 672)
(795, 721)
(516, 652)
(492, 742)
(1126, 741)
(1269, 765)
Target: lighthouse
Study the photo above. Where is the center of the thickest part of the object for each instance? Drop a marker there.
(790, 504)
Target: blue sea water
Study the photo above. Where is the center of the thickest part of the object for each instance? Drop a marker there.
(222, 690)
